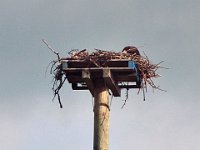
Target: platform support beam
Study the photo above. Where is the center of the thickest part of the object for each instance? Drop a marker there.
(87, 79)
(110, 82)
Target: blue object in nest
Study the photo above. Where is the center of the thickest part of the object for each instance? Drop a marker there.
(132, 65)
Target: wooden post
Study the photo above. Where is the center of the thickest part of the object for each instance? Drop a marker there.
(83, 76)
(101, 116)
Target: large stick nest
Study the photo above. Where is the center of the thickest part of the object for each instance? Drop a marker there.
(147, 70)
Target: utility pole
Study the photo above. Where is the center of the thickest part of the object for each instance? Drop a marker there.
(99, 80)
(101, 116)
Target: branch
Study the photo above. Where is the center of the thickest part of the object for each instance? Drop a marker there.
(46, 43)
(126, 98)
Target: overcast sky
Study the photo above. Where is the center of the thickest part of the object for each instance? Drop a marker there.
(166, 31)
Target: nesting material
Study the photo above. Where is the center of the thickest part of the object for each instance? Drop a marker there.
(99, 58)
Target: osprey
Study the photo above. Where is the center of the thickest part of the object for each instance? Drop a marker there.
(82, 53)
(131, 50)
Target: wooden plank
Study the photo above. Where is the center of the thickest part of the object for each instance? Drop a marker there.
(118, 78)
(74, 79)
(113, 69)
(88, 64)
(76, 87)
(87, 79)
(123, 76)
(114, 60)
(109, 80)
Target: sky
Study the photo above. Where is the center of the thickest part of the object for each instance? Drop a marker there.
(166, 31)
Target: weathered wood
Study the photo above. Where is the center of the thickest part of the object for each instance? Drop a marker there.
(101, 116)
(87, 64)
(87, 79)
(109, 80)
(118, 78)
(76, 87)
(114, 69)
(120, 71)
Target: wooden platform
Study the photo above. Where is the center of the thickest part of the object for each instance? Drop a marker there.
(83, 74)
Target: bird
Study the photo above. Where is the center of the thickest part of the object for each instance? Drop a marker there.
(131, 50)
(83, 53)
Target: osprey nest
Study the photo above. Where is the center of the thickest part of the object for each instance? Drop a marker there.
(146, 70)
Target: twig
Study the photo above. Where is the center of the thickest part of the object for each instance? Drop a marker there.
(45, 42)
(126, 98)
(48, 67)
(144, 98)
(56, 91)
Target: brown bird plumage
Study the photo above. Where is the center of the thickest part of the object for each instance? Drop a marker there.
(131, 50)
